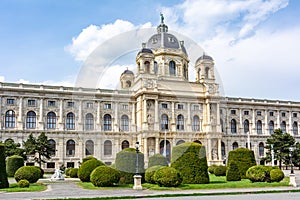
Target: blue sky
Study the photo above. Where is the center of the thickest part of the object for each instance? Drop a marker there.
(255, 43)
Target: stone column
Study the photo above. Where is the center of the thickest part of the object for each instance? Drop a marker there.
(253, 122)
(20, 116)
(156, 118)
(98, 117)
(173, 121)
(146, 153)
(133, 125)
(189, 124)
(278, 119)
(241, 122)
(116, 118)
(289, 129)
(219, 129)
(41, 125)
(208, 122)
(157, 150)
(80, 123)
(60, 120)
(220, 149)
(145, 124)
(209, 149)
(266, 123)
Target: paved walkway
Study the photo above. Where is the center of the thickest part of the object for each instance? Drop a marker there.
(69, 189)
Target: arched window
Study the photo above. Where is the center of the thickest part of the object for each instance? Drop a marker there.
(222, 125)
(233, 126)
(235, 145)
(172, 68)
(52, 144)
(51, 120)
(70, 122)
(155, 67)
(223, 152)
(164, 122)
(10, 119)
(246, 126)
(89, 121)
(197, 141)
(247, 146)
(128, 83)
(180, 123)
(271, 127)
(124, 123)
(196, 123)
(125, 144)
(259, 127)
(107, 148)
(283, 126)
(165, 148)
(147, 66)
(31, 120)
(261, 149)
(185, 72)
(180, 142)
(295, 128)
(207, 73)
(199, 73)
(70, 148)
(107, 122)
(89, 147)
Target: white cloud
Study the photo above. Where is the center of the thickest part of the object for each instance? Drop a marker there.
(2, 78)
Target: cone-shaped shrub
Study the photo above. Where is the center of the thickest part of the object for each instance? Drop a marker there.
(13, 164)
(86, 169)
(233, 173)
(3, 176)
(190, 160)
(157, 159)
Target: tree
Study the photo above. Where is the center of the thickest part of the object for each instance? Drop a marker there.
(280, 143)
(12, 148)
(296, 155)
(39, 148)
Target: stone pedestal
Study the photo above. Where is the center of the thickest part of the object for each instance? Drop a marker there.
(137, 182)
(293, 180)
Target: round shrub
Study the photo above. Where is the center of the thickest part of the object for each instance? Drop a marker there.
(13, 164)
(29, 173)
(104, 176)
(41, 170)
(211, 169)
(167, 177)
(23, 183)
(3, 176)
(190, 160)
(86, 169)
(257, 173)
(276, 175)
(149, 173)
(233, 173)
(157, 159)
(88, 158)
(220, 170)
(73, 173)
(67, 171)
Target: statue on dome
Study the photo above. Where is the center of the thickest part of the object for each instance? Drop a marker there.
(162, 18)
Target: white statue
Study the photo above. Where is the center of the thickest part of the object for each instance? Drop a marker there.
(57, 175)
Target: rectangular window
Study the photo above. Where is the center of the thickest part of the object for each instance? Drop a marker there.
(31, 102)
(233, 112)
(50, 165)
(51, 103)
(107, 106)
(89, 105)
(10, 101)
(180, 106)
(283, 114)
(246, 112)
(70, 165)
(164, 105)
(294, 114)
(125, 107)
(196, 107)
(258, 113)
(70, 103)
(271, 114)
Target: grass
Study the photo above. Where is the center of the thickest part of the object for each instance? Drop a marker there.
(34, 187)
(90, 186)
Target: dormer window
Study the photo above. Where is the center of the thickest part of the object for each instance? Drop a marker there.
(154, 40)
(171, 39)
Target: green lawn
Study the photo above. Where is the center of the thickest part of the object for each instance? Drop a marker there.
(215, 183)
(34, 187)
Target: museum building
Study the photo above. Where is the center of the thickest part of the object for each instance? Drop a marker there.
(156, 106)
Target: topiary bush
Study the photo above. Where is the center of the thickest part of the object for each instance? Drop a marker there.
(86, 169)
(104, 176)
(233, 173)
(258, 173)
(3, 176)
(150, 172)
(244, 159)
(220, 170)
(41, 170)
(157, 159)
(88, 158)
(67, 171)
(73, 173)
(23, 183)
(13, 163)
(190, 160)
(126, 164)
(29, 173)
(167, 177)
(276, 175)
(212, 168)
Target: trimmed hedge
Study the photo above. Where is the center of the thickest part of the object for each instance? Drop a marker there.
(13, 164)
(86, 169)
(150, 172)
(3, 176)
(157, 159)
(220, 170)
(88, 158)
(167, 177)
(190, 160)
(244, 159)
(29, 173)
(212, 168)
(67, 171)
(73, 173)
(41, 170)
(233, 173)
(258, 173)
(276, 175)
(23, 183)
(104, 176)
(126, 164)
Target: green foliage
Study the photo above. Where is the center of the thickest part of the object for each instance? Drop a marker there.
(190, 160)
(29, 173)
(150, 172)
(244, 159)
(73, 172)
(23, 183)
(13, 164)
(126, 164)
(67, 171)
(3, 176)
(212, 168)
(276, 175)
(12, 148)
(41, 170)
(86, 169)
(157, 159)
(258, 173)
(167, 177)
(104, 176)
(88, 158)
(220, 170)
(233, 173)
(281, 143)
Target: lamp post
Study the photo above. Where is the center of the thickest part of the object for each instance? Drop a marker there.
(137, 178)
(272, 154)
(292, 175)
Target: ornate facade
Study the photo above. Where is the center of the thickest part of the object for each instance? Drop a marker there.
(157, 106)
